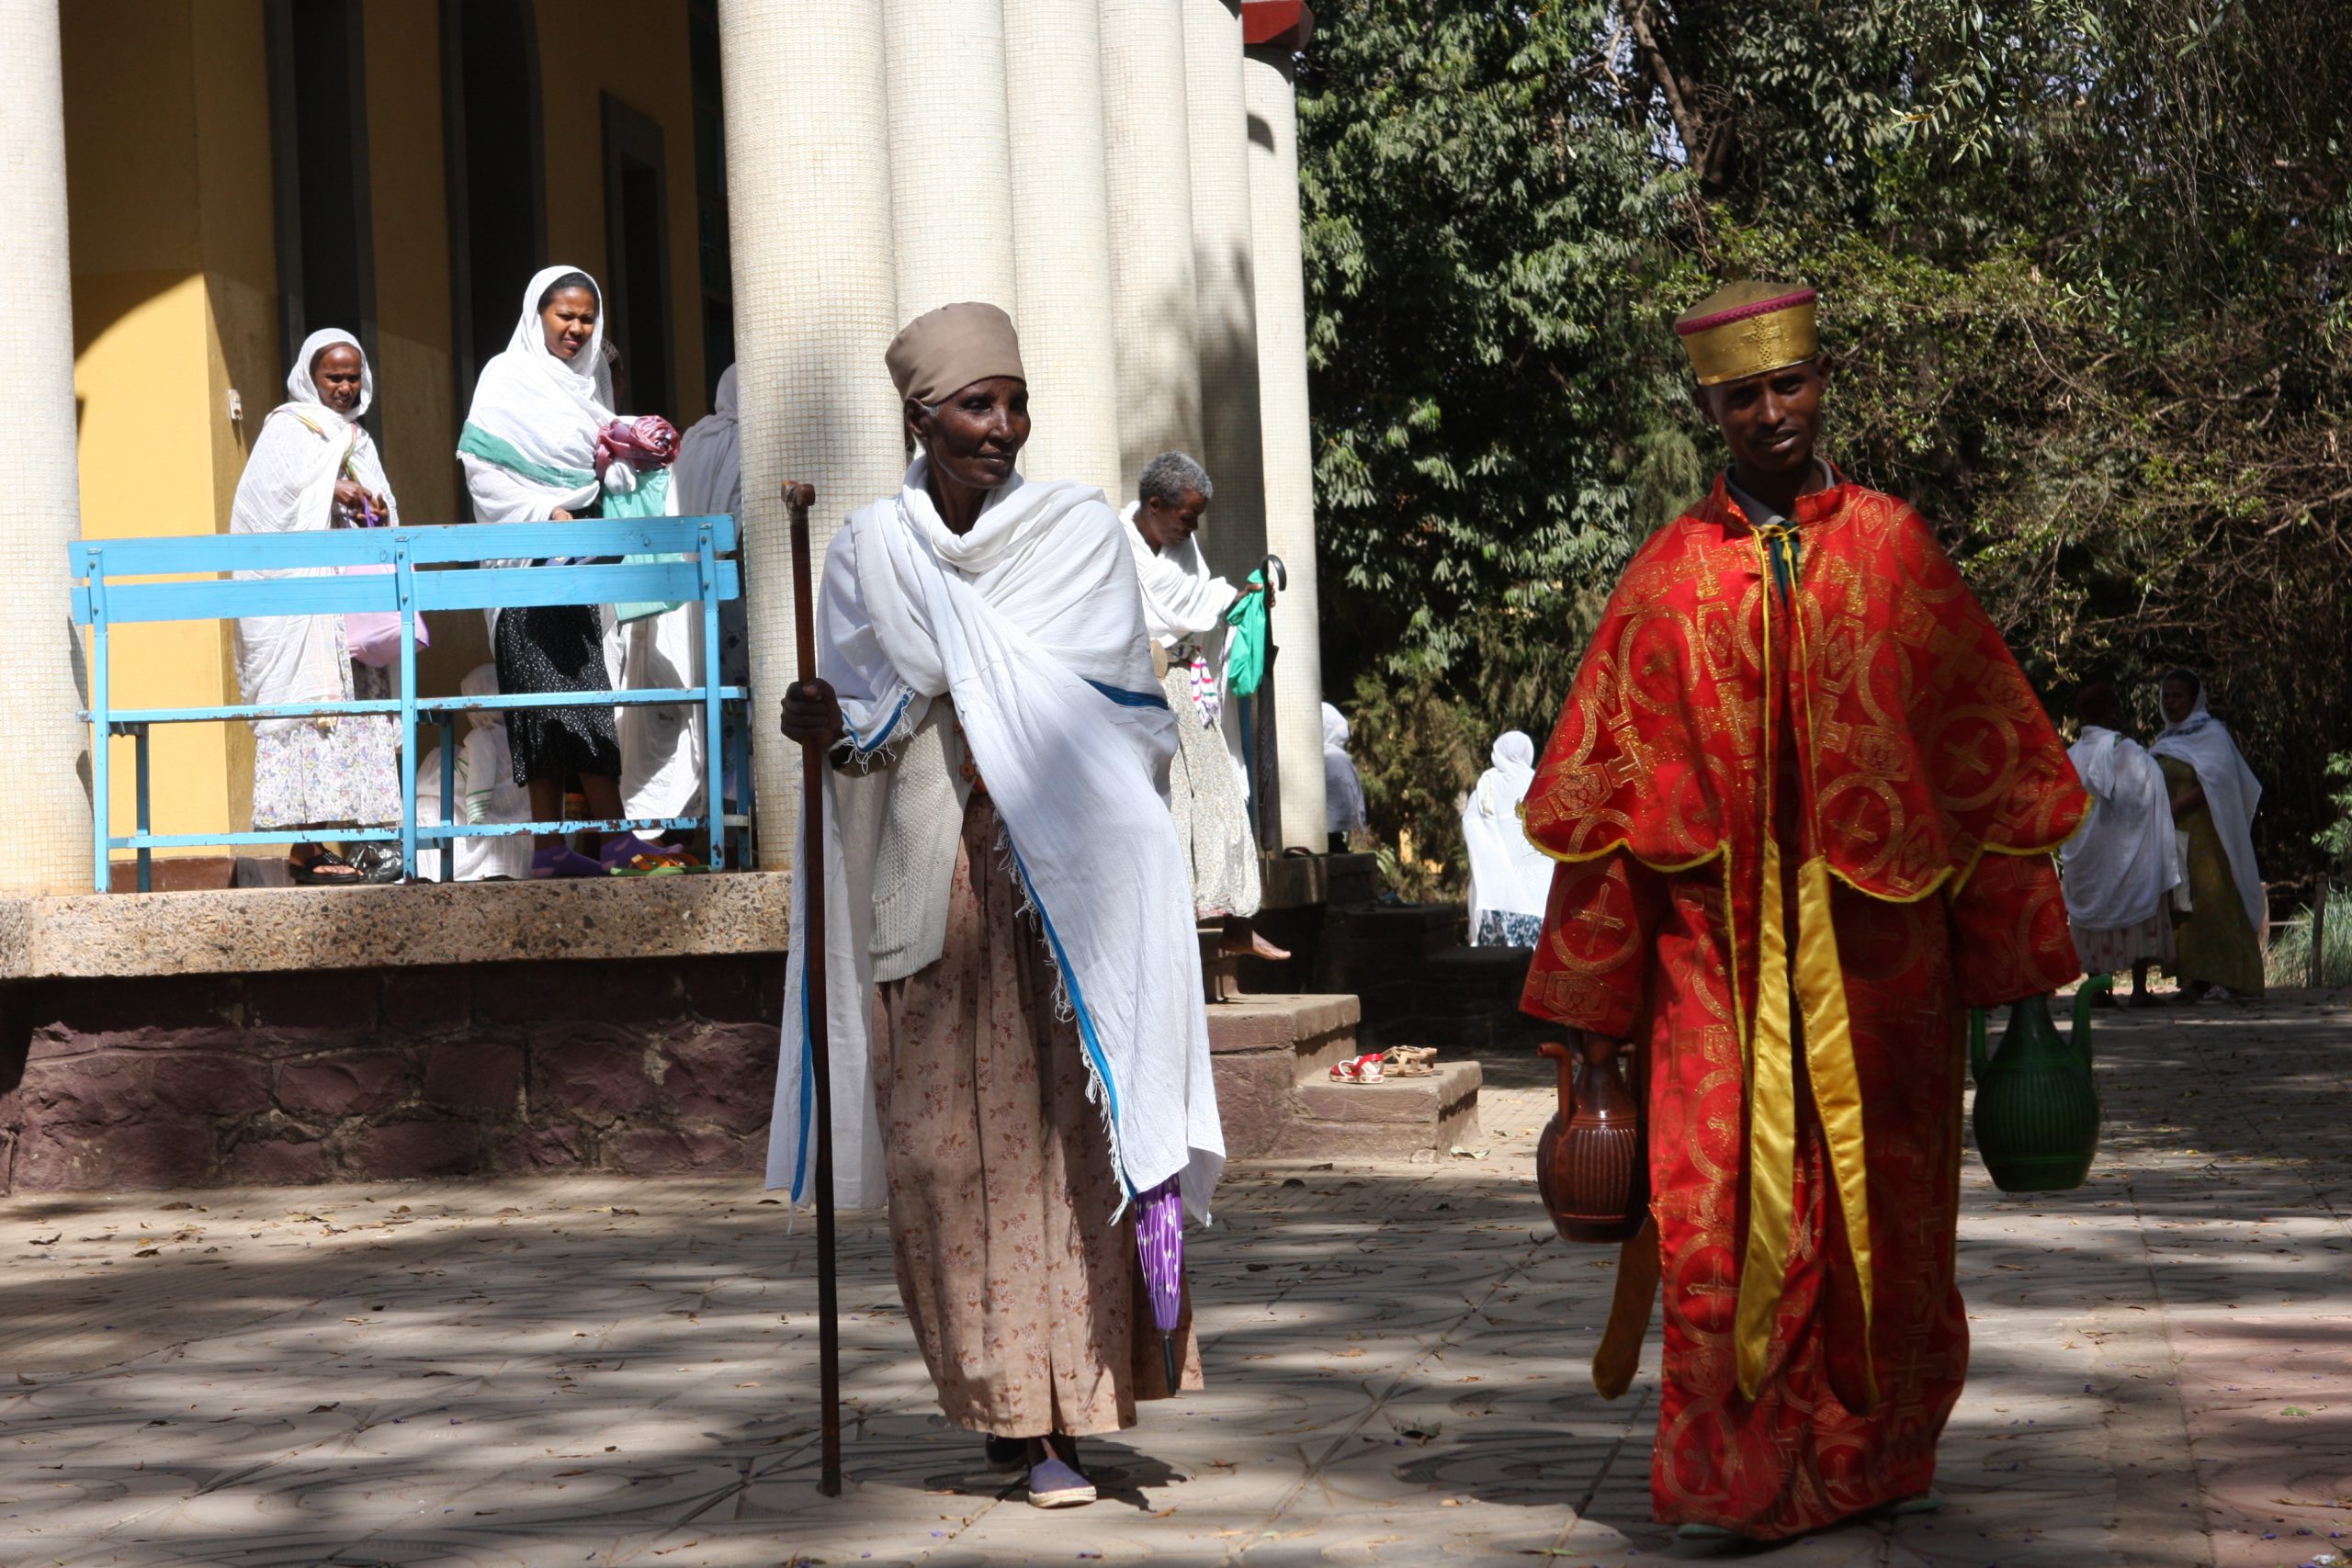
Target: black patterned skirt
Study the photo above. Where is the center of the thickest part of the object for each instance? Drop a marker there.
(557, 648)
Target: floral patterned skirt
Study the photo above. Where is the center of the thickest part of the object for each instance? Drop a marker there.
(1025, 1295)
(1212, 816)
(345, 771)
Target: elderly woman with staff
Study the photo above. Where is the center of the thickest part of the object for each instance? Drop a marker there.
(1020, 1053)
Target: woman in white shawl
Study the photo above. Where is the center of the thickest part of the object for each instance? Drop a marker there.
(313, 467)
(1030, 1091)
(2214, 795)
(1183, 612)
(1511, 879)
(1342, 790)
(529, 453)
(2122, 866)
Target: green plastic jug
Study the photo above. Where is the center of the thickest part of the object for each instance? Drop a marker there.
(2037, 1107)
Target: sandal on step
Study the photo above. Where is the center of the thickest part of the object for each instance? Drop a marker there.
(630, 855)
(561, 860)
(1367, 1068)
(325, 869)
(1410, 1062)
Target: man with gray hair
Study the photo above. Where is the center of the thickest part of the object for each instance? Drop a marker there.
(1183, 611)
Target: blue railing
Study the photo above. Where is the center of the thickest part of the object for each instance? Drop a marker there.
(644, 559)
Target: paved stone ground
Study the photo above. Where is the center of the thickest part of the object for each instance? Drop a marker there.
(603, 1372)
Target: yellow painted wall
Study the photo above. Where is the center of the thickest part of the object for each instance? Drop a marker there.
(174, 283)
(578, 64)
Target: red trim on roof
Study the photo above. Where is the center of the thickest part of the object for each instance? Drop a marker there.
(1266, 21)
(1742, 313)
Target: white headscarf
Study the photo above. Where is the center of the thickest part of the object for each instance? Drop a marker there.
(1342, 790)
(710, 471)
(2232, 796)
(287, 486)
(2124, 860)
(529, 444)
(1507, 872)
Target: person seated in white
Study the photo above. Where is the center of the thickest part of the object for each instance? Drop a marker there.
(2121, 867)
(1019, 1047)
(482, 780)
(1511, 879)
(1183, 610)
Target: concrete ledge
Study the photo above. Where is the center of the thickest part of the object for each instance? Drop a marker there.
(266, 929)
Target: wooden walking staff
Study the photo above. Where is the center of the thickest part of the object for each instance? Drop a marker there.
(810, 867)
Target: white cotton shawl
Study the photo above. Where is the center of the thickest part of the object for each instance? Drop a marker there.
(287, 486)
(2232, 794)
(530, 445)
(1507, 872)
(1342, 790)
(2124, 860)
(1181, 597)
(1031, 625)
(708, 475)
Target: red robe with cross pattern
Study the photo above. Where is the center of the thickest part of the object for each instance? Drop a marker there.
(1803, 753)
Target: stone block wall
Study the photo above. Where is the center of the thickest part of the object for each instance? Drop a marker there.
(645, 1067)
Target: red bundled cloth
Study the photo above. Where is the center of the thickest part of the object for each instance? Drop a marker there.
(645, 443)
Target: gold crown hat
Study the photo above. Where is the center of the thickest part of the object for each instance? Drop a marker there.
(1748, 329)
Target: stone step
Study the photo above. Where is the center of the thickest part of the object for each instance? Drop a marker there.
(1259, 1047)
(1394, 1119)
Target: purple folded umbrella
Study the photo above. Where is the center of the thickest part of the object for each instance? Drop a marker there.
(1159, 1243)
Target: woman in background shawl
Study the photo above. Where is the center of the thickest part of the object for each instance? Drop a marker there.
(1510, 878)
(1342, 790)
(1183, 612)
(2214, 795)
(996, 839)
(313, 467)
(531, 454)
(2120, 868)
(709, 480)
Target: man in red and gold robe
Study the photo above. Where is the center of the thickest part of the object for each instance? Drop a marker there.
(1804, 802)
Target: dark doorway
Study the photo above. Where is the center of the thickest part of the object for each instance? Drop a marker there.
(318, 130)
(496, 174)
(637, 258)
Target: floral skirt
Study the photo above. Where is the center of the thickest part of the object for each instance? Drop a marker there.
(1023, 1291)
(1212, 818)
(345, 771)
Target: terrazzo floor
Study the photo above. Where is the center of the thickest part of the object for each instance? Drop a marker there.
(592, 1372)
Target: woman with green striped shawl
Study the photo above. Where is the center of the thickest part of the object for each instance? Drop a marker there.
(530, 455)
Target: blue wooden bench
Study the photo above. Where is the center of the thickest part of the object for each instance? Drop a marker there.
(436, 569)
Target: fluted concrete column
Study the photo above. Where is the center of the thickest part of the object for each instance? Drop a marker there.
(1061, 238)
(1224, 285)
(1146, 146)
(1273, 104)
(816, 302)
(951, 168)
(40, 507)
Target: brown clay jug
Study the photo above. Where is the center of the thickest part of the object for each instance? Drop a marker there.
(1591, 1164)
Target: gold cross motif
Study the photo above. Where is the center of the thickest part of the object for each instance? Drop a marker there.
(1852, 826)
(1969, 756)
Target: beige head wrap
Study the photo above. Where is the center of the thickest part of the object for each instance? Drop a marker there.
(943, 351)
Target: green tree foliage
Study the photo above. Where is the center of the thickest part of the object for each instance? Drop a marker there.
(2085, 268)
